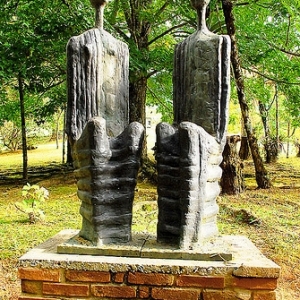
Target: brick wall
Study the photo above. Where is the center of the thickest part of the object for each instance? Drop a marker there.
(46, 284)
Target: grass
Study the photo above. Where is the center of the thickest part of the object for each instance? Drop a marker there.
(276, 211)
(270, 218)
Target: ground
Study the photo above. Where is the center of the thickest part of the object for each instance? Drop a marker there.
(270, 218)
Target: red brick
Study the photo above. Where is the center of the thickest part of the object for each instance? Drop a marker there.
(33, 298)
(175, 294)
(31, 287)
(226, 295)
(264, 296)
(144, 292)
(201, 281)
(119, 277)
(151, 279)
(210, 295)
(255, 283)
(113, 291)
(87, 276)
(59, 289)
(39, 274)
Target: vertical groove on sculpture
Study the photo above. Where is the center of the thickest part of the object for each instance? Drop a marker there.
(201, 90)
(189, 183)
(169, 217)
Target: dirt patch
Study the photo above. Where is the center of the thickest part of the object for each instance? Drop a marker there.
(10, 286)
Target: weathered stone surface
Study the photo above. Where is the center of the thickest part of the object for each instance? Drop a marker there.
(146, 246)
(188, 154)
(106, 178)
(98, 83)
(201, 78)
(188, 161)
(247, 260)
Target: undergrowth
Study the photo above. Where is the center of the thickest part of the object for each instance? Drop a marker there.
(269, 218)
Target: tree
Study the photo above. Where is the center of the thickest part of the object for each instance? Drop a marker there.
(148, 28)
(261, 173)
(33, 43)
(35, 33)
(269, 54)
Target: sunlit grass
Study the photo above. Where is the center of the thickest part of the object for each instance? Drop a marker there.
(43, 155)
(276, 231)
(17, 235)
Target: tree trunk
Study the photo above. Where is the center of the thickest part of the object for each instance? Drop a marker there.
(288, 139)
(244, 152)
(23, 124)
(232, 182)
(270, 151)
(278, 142)
(64, 137)
(137, 100)
(137, 105)
(297, 145)
(57, 128)
(260, 172)
(139, 28)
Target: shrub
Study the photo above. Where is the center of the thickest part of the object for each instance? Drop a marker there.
(33, 196)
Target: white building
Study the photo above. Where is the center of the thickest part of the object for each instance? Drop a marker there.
(152, 119)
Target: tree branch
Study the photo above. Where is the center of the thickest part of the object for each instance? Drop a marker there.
(166, 32)
(152, 73)
(161, 10)
(162, 103)
(271, 78)
(284, 50)
(288, 31)
(121, 33)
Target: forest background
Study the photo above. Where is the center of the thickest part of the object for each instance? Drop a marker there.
(265, 36)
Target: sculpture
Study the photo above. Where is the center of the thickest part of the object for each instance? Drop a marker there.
(189, 152)
(98, 72)
(106, 148)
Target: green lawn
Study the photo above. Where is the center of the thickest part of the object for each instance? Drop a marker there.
(275, 230)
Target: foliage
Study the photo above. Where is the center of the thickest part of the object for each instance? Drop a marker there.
(33, 197)
(268, 38)
(34, 36)
(149, 28)
(10, 136)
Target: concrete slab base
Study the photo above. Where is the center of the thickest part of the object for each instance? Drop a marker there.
(145, 245)
(46, 273)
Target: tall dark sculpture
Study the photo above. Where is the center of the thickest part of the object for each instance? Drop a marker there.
(189, 153)
(106, 148)
(98, 72)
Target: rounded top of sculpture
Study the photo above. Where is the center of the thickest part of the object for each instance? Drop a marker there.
(97, 3)
(199, 3)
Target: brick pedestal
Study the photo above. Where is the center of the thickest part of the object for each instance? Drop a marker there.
(47, 275)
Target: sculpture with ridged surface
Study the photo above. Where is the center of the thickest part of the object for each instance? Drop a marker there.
(190, 151)
(106, 149)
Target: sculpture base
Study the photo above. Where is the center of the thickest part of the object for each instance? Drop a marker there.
(46, 274)
(145, 245)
